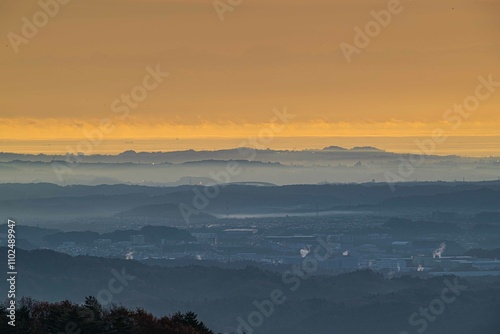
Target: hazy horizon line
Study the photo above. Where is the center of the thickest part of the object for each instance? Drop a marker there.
(330, 148)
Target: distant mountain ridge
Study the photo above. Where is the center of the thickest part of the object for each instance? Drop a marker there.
(241, 153)
(332, 164)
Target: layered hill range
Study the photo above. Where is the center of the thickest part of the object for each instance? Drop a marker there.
(241, 165)
(355, 303)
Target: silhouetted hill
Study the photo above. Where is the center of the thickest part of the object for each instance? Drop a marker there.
(42, 201)
(334, 148)
(152, 234)
(366, 149)
(472, 199)
(407, 226)
(331, 164)
(357, 303)
(484, 253)
(242, 153)
(163, 211)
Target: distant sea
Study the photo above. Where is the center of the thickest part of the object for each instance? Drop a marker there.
(484, 146)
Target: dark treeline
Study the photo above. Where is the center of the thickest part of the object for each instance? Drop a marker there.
(36, 317)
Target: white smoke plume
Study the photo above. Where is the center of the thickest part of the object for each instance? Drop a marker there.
(304, 251)
(129, 255)
(439, 252)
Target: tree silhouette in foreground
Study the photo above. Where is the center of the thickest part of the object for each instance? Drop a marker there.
(36, 317)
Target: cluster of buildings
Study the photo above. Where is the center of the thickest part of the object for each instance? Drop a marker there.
(348, 252)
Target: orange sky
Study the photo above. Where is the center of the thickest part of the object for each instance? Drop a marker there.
(226, 77)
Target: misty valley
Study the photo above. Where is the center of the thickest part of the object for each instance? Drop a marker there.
(262, 258)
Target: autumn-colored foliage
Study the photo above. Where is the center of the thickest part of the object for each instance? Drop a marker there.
(35, 317)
